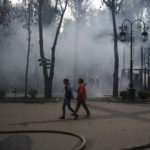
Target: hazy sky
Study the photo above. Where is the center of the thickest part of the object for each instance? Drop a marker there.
(96, 3)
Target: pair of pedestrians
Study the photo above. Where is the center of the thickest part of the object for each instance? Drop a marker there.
(81, 97)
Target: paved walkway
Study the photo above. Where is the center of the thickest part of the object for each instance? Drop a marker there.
(111, 126)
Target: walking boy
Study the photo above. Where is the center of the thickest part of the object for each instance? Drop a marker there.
(67, 99)
(81, 97)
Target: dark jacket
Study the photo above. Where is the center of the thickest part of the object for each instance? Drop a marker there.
(68, 91)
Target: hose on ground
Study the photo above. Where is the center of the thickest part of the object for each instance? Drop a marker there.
(82, 138)
(139, 147)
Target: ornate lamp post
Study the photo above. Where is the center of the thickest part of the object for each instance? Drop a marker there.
(127, 28)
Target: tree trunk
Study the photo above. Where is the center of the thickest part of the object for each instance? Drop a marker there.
(45, 74)
(56, 4)
(29, 46)
(116, 57)
(47, 88)
(53, 52)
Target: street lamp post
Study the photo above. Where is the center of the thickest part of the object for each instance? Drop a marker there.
(123, 35)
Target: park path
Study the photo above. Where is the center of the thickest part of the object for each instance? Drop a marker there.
(111, 126)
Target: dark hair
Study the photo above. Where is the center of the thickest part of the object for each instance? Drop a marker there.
(66, 80)
(81, 80)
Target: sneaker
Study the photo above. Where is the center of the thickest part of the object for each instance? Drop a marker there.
(61, 117)
(87, 116)
(76, 116)
(72, 114)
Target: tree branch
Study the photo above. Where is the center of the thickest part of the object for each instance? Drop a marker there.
(108, 3)
(60, 3)
(119, 5)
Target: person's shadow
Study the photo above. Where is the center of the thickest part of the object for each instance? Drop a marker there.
(16, 142)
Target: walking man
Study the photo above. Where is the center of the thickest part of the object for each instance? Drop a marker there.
(67, 99)
(81, 97)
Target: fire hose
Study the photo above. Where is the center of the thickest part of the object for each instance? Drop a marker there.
(82, 138)
(139, 147)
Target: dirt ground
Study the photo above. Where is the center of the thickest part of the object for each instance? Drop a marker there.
(112, 126)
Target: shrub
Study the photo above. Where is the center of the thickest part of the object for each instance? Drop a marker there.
(143, 94)
(124, 95)
(32, 93)
(2, 93)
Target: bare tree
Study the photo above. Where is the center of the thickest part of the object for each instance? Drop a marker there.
(45, 73)
(28, 26)
(54, 46)
(114, 6)
(56, 4)
(48, 79)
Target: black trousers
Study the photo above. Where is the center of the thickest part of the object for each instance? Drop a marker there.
(83, 103)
